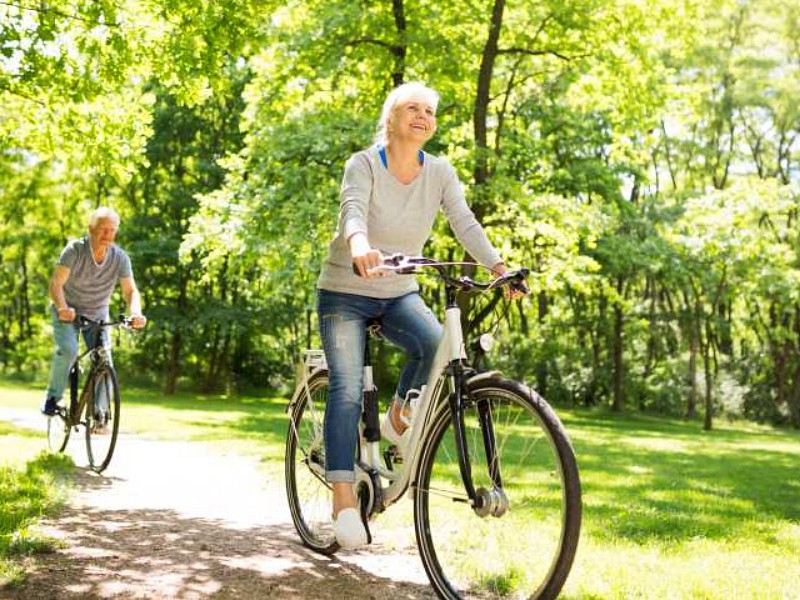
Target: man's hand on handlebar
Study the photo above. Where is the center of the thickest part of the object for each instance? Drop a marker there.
(66, 314)
(138, 321)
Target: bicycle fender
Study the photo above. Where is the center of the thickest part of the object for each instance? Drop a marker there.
(484, 376)
(301, 387)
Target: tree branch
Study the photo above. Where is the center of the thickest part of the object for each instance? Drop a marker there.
(8, 89)
(529, 52)
(48, 10)
(366, 41)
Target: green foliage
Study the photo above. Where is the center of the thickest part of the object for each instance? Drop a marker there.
(25, 496)
(641, 159)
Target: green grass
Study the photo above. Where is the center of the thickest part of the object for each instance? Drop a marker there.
(245, 425)
(31, 486)
(670, 511)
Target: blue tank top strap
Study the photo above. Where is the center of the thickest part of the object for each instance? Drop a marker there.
(382, 152)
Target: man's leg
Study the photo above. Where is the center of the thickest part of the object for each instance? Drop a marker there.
(65, 336)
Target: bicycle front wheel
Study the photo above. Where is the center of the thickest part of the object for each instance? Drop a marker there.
(526, 551)
(57, 431)
(308, 493)
(102, 417)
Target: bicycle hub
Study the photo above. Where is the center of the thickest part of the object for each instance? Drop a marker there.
(490, 502)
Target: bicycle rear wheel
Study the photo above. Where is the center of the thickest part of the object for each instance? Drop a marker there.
(526, 552)
(57, 431)
(102, 421)
(308, 493)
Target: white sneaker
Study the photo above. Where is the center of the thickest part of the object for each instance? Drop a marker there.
(349, 529)
(390, 434)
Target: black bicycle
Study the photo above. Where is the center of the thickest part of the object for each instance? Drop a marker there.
(97, 408)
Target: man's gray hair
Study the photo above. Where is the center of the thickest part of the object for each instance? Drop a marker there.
(103, 212)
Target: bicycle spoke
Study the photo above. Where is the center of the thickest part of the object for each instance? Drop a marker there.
(308, 492)
(102, 417)
(527, 551)
(57, 431)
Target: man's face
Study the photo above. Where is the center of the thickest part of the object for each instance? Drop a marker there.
(103, 233)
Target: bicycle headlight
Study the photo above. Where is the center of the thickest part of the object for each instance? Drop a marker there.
(486, 342)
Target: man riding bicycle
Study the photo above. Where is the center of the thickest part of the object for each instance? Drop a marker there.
(83, 280)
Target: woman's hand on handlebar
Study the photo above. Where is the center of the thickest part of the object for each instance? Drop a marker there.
(514, 291)
(365, 258)
(138, 321)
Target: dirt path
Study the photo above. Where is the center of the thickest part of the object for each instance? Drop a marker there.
(175, 520)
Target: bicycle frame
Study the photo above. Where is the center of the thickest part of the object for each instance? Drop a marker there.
(99, 356)
(449, 368)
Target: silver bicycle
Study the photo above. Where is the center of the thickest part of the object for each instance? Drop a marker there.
(490, 468)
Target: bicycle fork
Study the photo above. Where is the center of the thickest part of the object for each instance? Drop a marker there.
(484, 502)
(74, 379)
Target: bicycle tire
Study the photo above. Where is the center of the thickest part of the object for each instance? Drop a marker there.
(528, 551)
(100, 447)
(57, 432)
(308, 493)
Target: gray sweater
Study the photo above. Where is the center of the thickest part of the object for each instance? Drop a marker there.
(397, 218)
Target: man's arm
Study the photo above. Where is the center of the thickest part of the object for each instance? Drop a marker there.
(65, 312)
(134, 301)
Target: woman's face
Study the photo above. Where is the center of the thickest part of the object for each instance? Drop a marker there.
(413, 118)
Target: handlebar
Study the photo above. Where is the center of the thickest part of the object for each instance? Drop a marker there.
(407, 265)
(121, 321)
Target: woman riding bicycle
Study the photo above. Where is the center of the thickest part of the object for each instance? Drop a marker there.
(390, 196)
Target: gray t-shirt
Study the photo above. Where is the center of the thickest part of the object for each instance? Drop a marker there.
(397, 218)
(90, 285)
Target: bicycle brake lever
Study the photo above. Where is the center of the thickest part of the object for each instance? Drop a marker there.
(520, 286)
(518, 283)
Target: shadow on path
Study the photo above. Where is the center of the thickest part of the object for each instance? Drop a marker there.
(179, 520)
(158, 554)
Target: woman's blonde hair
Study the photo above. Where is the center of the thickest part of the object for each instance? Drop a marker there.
(396, 96)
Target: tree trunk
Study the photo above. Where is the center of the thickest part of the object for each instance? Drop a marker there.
(794, 395)
(541, 365)
(794, 399)
(709, 399)
(617, 345)
(651, 288)
(480, 127)
(176, 340)
(173, 362)
(694, 343)
(399, 50)
(482, 99)
(25, 328)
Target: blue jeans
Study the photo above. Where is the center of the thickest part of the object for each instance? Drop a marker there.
(66, 338)
(405, 321)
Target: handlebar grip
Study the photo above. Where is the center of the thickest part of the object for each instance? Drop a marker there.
(520, 286)
(389, 260)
